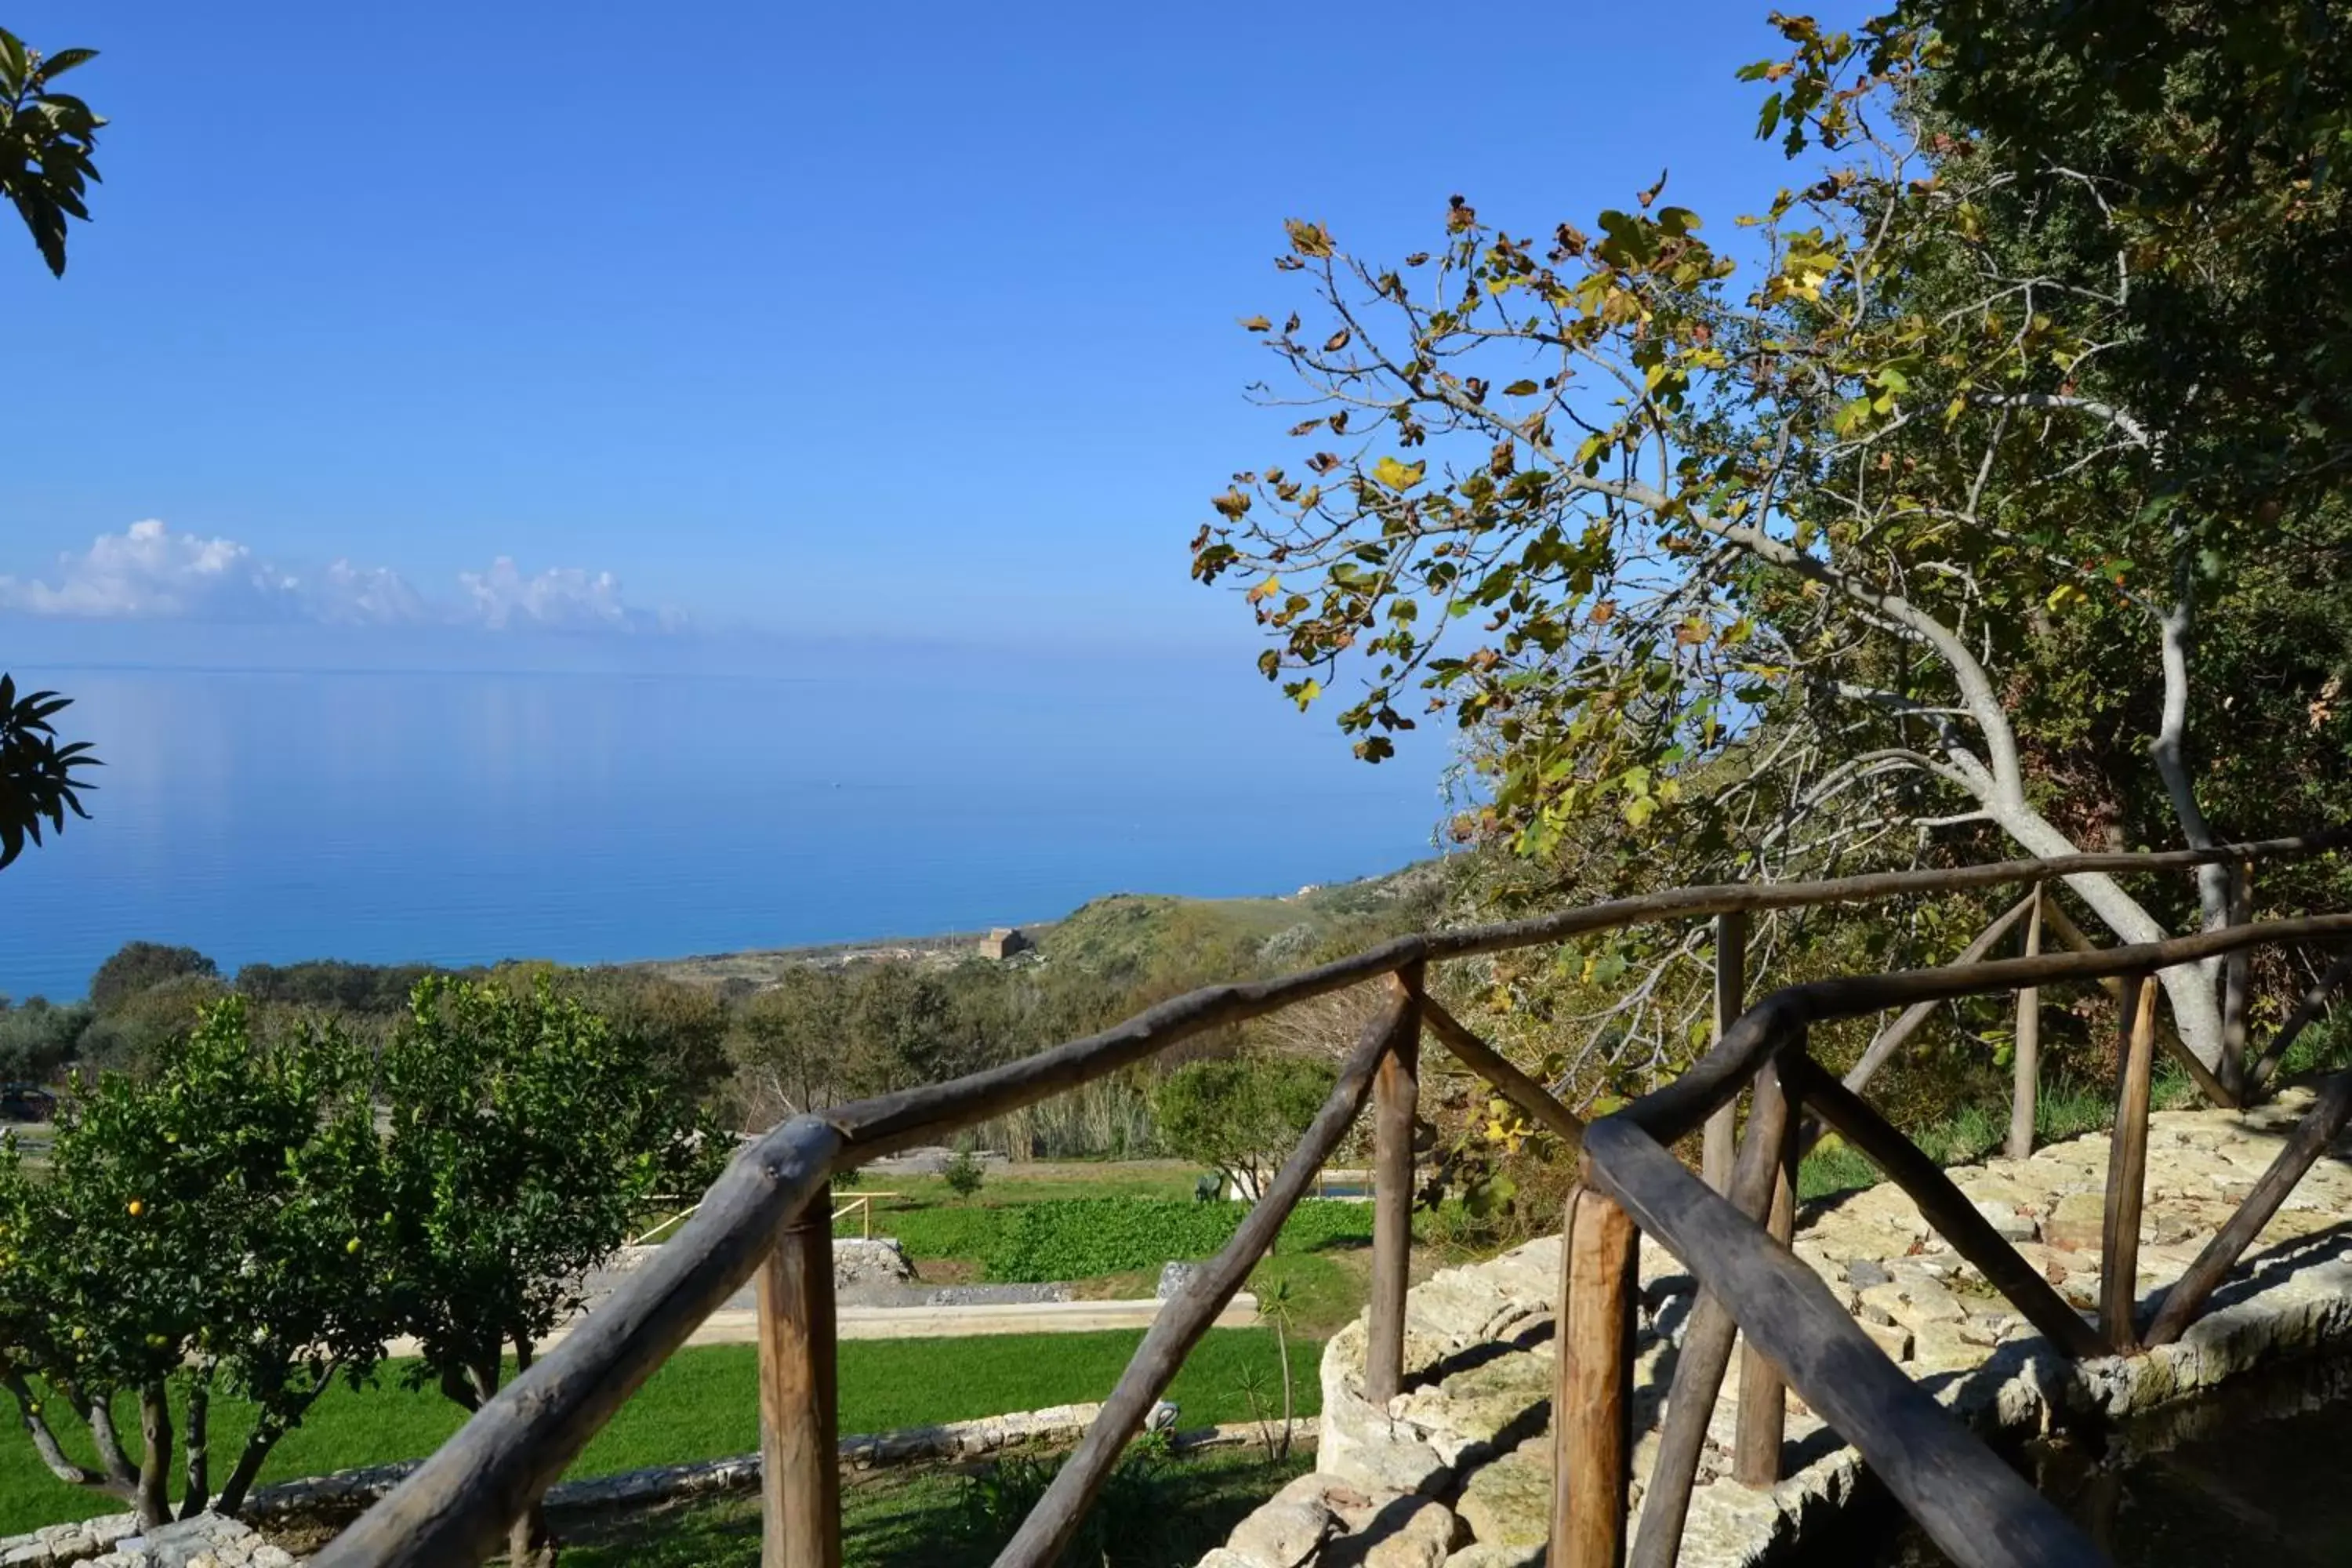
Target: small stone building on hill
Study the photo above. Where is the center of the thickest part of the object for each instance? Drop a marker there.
(1003, 943)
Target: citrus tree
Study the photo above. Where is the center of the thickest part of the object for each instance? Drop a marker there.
(219, 1223)
(525, 1135)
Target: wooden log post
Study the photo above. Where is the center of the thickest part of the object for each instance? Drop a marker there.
(1730, 1000)
(1708, 1341)
(800, 1432)
(2236, 976)
(1593, 1399)
(1396, 1093)
(1980, 1513)
(2061, 925)
(1763, 1394)
(2026, 1047)
(2128, 1165)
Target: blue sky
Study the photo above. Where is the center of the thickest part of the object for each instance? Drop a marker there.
(819, 321)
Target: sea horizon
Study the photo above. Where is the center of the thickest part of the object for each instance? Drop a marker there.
(262, 812)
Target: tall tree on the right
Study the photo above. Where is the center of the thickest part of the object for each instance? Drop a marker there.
(1847, 545)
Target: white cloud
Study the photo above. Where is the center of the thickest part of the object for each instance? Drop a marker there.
(149, 573)
(564, 598)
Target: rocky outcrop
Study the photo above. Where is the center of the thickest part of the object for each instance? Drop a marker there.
(1469, 1439)
(207, 1541)
(859, 1262)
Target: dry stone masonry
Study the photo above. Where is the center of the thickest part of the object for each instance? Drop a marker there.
(1456, 1471)
(207, 1541)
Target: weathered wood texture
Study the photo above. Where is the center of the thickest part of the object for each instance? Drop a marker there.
(2026, 1048)
(2304, 1145)
(1943, 1206)
(2208, 1083)
(2237, 973)
(1704, 1360)
(1677, 1109)
(1971, 1504)
(1893, 1037)
(1396, 1093)
(1535, 1101)
(2128, 1165)
(800, 1421)
(2329, 982)
(1715, 1153)
(1763, 1396)
(457, 1506)
(1593, 1392)
(1046, 1534)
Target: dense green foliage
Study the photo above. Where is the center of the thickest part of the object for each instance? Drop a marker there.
(221, 1222)
(526, 1135)
(138, 966)
(704, 1404)
(1241, 1115)
(1073, 1238)
(237, 1216)
(36, 1038)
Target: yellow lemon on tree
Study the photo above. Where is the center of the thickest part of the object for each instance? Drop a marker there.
(138, 1207)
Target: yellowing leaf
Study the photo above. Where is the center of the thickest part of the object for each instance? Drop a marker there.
(1399, 477)
(2066, 595)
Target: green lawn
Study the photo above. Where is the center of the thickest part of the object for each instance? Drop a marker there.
(1163, 1515)
(704, 1404)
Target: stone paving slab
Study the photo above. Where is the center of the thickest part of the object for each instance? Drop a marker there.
(1470, 1437)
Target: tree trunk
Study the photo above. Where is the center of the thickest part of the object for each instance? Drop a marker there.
(155, 1466)
(110, 1446)
(36, 1422)
(197, 1489)
(530, 1544)
(267, 1428)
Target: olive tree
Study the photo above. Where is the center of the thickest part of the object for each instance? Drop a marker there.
(218, 1225)
(1241, 1115)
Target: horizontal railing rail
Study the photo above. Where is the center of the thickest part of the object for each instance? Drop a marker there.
(457, 1507)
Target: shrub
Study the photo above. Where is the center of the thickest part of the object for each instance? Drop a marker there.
(962, 1175)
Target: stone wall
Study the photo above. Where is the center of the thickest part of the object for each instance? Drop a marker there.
(1457, 1471)
(207, 1541)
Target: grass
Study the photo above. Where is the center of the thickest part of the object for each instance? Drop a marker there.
(918, 1519)
(2064, 1109)
(704, 1404)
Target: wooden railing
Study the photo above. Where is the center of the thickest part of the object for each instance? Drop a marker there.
(767, 1215)
(861, 1203)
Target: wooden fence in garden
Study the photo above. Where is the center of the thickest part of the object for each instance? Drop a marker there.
(769, 1217)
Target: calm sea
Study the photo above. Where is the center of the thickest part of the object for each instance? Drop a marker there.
(459, 817)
